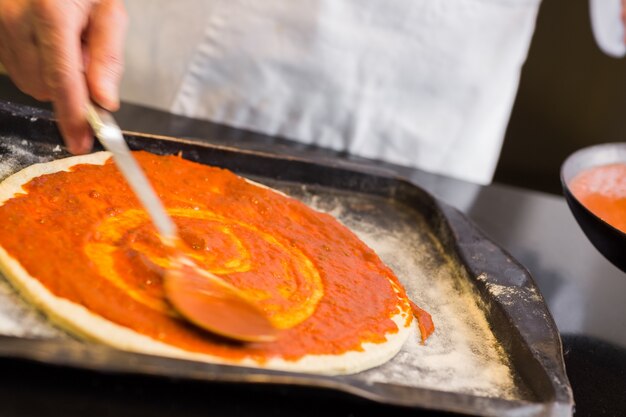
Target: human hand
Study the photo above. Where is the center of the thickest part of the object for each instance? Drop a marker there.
(65, 51)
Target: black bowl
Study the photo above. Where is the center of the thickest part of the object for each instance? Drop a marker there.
(610, 241)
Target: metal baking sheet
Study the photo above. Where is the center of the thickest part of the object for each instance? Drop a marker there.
(496, 350)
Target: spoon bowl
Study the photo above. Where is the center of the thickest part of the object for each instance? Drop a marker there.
(211, 303)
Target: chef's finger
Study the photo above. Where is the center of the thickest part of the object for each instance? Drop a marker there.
(30, 77)
(7, 56)
(18, 51)
(58, 29)
(105, 43)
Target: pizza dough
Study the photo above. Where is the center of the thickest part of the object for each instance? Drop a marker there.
(336, 317)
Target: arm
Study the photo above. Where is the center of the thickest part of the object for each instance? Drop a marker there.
(65, 51)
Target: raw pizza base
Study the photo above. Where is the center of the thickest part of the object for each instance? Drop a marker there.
(78, 320)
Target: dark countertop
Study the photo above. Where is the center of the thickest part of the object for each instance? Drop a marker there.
(583, 290)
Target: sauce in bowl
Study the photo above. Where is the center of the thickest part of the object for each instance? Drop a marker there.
(602, 190)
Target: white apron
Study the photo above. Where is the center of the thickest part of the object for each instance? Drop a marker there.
(422, 83)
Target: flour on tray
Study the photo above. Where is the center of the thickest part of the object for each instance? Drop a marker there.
(462, 355)
(15, 155)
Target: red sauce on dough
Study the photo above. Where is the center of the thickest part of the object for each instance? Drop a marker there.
(424, 321)
(603, 191)
(83, 235)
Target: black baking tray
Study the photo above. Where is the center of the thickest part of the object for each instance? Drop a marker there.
(524, 328)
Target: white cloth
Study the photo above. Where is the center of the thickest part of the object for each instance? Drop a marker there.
(422, 83)
(608, 29)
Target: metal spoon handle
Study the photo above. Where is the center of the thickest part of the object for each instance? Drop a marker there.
(110, 136)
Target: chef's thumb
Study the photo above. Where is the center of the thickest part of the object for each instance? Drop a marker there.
(105, 48)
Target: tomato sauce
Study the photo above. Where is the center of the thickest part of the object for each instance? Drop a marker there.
(424, 321)
(602, 190)
(85, 237)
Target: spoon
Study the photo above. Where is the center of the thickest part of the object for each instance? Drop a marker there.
(198, 295)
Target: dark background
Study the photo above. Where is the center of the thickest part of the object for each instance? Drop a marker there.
(571, 95)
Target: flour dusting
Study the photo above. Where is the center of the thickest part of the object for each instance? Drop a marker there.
(462, 355)
(15, 155)
(18, 318)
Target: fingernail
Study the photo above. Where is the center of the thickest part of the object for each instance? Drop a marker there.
(109, 95)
